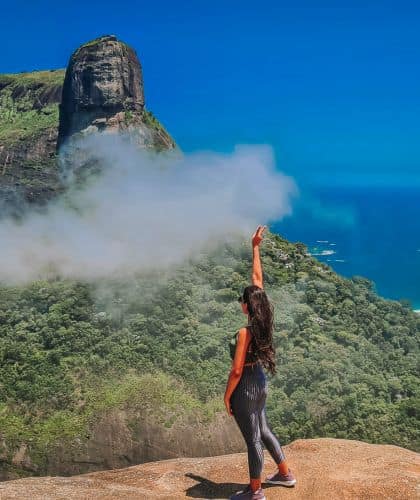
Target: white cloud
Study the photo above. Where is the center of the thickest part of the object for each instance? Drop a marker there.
(145, 210)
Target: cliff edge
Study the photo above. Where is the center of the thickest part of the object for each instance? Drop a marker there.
(324, 468)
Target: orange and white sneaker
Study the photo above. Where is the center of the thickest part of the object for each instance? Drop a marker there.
(282, 479)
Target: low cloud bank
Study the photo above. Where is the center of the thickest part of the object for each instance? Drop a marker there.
(144, 211)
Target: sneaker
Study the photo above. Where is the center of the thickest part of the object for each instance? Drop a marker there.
(248, 494)
(284, 480)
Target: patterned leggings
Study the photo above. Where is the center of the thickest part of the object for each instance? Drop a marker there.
(248, 407)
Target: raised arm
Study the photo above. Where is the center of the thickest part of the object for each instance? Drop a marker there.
(244, 338)
(257, 274)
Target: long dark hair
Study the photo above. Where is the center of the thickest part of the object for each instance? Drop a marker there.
(261, 314)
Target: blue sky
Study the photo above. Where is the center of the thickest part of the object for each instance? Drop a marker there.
(332, 86)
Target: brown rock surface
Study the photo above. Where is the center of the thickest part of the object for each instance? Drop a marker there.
(325, 468)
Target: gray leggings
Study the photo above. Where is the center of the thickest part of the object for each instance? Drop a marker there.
(248, 407)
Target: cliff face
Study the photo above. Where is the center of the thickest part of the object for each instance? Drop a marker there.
(121, 438)
(28, 136)
(103, 90)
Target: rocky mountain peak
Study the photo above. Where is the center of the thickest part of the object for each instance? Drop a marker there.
(103, 90)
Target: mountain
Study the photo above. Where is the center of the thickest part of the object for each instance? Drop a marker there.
(106, 374)
(101, 89)
(324, 468)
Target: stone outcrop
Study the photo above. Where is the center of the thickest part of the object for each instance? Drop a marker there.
(103, 91)
(120, 438)
(324, 468)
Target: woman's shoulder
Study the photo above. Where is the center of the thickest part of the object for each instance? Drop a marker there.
(244, 330)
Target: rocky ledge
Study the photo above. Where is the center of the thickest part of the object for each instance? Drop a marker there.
(324, 468)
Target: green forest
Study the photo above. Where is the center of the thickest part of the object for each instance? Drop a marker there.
(347, 359)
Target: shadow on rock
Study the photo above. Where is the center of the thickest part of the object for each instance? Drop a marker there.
(209, 489)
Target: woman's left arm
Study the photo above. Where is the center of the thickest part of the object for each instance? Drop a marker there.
(244, 337)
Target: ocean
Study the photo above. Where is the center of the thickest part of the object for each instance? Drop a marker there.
(366, 231)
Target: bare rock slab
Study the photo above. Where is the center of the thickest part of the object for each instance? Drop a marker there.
(325, 468)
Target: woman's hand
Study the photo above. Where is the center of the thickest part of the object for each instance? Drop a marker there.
(228, 407)
(258, 235)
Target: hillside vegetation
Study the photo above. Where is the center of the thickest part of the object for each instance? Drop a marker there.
(28, 104)
(347, 360)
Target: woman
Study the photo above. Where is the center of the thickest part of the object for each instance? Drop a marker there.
(246, 389)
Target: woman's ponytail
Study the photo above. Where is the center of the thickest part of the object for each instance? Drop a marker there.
(261, 315)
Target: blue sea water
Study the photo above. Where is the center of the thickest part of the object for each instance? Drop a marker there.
(367, 231)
